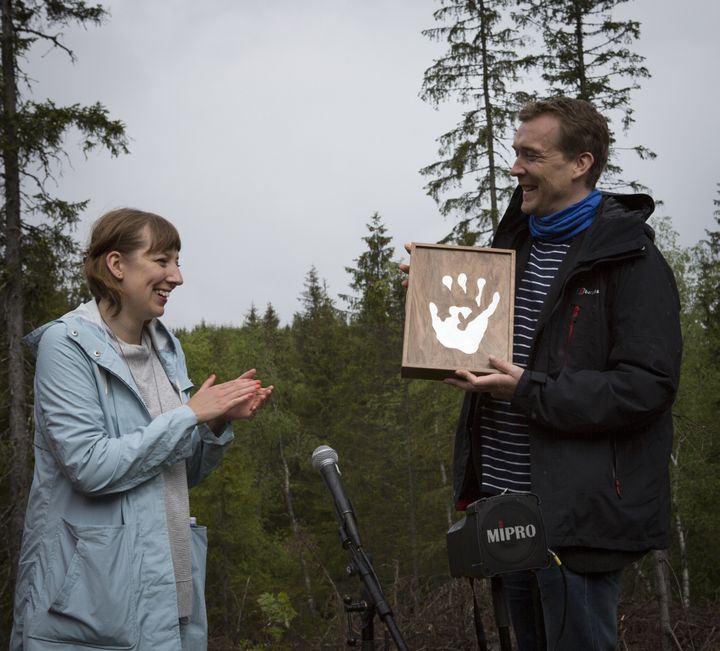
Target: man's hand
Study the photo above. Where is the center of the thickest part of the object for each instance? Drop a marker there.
(500, 386)
(405, 268)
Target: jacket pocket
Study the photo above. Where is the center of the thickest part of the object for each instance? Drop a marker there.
(194, 633)
(90, 596)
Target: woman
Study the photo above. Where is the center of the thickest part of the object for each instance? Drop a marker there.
(109, 558)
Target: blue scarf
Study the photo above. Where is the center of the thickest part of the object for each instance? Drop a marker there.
(565, 224)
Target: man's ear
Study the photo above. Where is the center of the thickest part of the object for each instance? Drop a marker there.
(583, 163)
(114, 260)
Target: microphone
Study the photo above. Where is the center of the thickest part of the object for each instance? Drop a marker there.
(324, 460)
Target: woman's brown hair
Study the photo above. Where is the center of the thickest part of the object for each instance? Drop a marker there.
(123, 230)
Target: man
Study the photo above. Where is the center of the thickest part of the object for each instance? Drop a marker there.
(582, 416)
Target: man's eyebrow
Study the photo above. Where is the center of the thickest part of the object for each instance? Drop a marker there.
(526, 148)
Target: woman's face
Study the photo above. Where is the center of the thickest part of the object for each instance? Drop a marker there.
(146, 280)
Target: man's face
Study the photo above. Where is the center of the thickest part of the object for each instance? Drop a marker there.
(550, 182)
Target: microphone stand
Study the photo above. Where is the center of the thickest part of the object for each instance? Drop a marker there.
(375, 602)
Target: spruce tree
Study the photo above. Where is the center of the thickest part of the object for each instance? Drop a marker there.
(31, 148)
(251, 319)
(270, 320)
(588, 55)
(480, 69)
(317, 334)
(379, 299)
(383, 441)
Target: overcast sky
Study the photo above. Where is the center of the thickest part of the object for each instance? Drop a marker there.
(269, 132)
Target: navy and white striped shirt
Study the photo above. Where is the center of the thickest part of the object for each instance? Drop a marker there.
(504, 438)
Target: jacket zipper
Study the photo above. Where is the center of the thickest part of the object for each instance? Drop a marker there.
(616, 479)
(571, 330)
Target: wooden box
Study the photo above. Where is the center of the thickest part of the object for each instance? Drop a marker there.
(458, 310)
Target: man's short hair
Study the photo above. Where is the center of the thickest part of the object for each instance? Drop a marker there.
(582, 129)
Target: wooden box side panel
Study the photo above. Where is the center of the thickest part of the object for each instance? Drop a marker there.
(458, 309)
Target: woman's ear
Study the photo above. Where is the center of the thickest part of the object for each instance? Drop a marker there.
(113, 260)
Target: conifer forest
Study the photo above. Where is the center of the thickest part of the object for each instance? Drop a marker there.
(277, 574)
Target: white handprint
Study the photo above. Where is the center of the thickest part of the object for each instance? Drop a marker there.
(447, 330)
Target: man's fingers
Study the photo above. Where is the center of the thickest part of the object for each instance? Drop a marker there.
(460, 384)
(465, 380)
(405, 267)
(504, 366)
(408, 247)
(500, 364)
(467, 376)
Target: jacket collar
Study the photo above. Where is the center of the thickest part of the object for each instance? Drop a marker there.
(618, 228)
(87, 318)
(85, 326)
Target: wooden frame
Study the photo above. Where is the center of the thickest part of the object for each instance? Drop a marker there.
(458, 310)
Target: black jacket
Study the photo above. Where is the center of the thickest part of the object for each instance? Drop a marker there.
(601, 378)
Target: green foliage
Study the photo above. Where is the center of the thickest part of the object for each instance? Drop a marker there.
(39, 128)
(34, 133)
(480, 68)
(274, 548)
(707, 257)
(39, 277)
(696, 454)
(278, 612)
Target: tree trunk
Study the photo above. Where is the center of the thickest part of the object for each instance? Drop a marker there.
(489, 121)
(667, 637)
(682, 543)
(13, 294)
(412, 494)
(583, 92)
(680, 530)
(295, 527)
(448, 505)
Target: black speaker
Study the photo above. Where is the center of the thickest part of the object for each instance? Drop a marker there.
(499, 534)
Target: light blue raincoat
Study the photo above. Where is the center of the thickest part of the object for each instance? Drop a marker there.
(95, 567)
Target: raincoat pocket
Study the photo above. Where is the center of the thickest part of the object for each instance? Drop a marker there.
(194, 633)
(90, 589)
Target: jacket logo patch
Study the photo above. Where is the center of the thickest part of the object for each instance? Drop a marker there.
(584, 291)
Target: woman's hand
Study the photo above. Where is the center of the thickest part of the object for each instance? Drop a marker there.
(247, 409)
(244, 409)
(212, 401)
